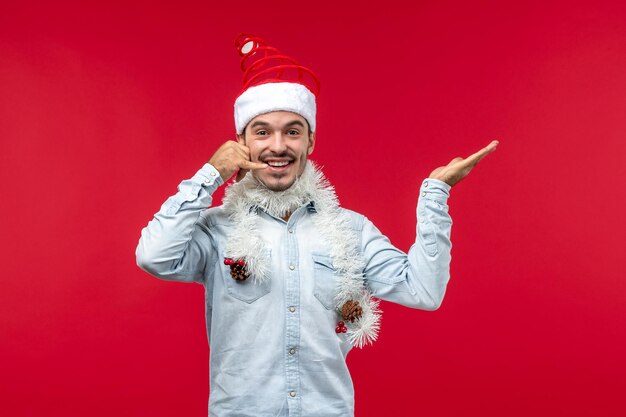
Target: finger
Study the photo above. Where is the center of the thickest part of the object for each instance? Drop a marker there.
(242, 151)
(474, 158)
(249, 165)
(242, 147)
(245, 166)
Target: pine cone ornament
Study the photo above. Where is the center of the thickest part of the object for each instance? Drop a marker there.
(351, 310)
(238, 270)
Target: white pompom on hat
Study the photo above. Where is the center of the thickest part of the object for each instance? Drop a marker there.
(272, 82)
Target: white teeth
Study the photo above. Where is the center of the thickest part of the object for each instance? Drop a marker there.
(278, 164)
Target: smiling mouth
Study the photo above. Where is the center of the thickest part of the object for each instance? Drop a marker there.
(278, 164)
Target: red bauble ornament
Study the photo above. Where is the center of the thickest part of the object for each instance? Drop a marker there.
(341, 328)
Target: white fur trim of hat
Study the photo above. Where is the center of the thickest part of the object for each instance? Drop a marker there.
(269, 97)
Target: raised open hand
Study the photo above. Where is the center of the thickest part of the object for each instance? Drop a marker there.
(458, 168)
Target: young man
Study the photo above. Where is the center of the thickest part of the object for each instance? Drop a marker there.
(290, 277)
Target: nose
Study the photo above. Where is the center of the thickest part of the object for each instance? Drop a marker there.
(277, 143)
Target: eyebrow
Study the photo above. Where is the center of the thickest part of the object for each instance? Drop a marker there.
(294, 123)
(265, 124)
(259, 123)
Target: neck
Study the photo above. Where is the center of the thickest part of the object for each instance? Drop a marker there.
(281, 204)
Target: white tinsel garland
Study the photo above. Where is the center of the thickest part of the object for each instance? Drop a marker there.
(240, 202)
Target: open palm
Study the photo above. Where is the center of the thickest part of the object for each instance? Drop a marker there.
(458, 168)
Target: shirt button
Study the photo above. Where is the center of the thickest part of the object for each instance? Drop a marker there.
(213, 174)
(290, 230)
(291, 267)
(292, 351)
(292, 393)
(292, 309)
(425, 183)
(424, 194)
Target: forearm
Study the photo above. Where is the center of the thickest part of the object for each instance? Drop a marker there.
(167, 248)
(419, 279)
(430, 256)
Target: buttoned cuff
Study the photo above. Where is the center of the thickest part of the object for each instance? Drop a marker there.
(196, 191)
(208, 175)
(433, 189)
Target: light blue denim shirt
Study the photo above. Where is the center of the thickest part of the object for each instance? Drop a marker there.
(273, 347)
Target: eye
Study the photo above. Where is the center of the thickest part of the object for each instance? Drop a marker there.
(293, 132)
(261, 132)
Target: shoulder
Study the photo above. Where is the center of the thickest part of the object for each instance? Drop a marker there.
(357, 220)
(214, 216)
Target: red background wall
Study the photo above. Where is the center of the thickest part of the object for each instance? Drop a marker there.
(105, 108)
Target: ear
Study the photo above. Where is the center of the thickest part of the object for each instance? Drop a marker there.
(311, 143)
(241, 139)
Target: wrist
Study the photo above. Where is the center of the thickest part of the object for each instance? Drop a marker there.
(211, 174)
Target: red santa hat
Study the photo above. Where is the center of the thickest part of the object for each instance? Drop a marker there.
(272, 81)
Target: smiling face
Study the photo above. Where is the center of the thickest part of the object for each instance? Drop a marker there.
(282, 140)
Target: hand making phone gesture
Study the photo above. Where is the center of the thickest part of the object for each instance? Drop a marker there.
(233, 157)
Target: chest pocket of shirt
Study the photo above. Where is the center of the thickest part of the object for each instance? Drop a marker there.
(325, 281)
(248, 290)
